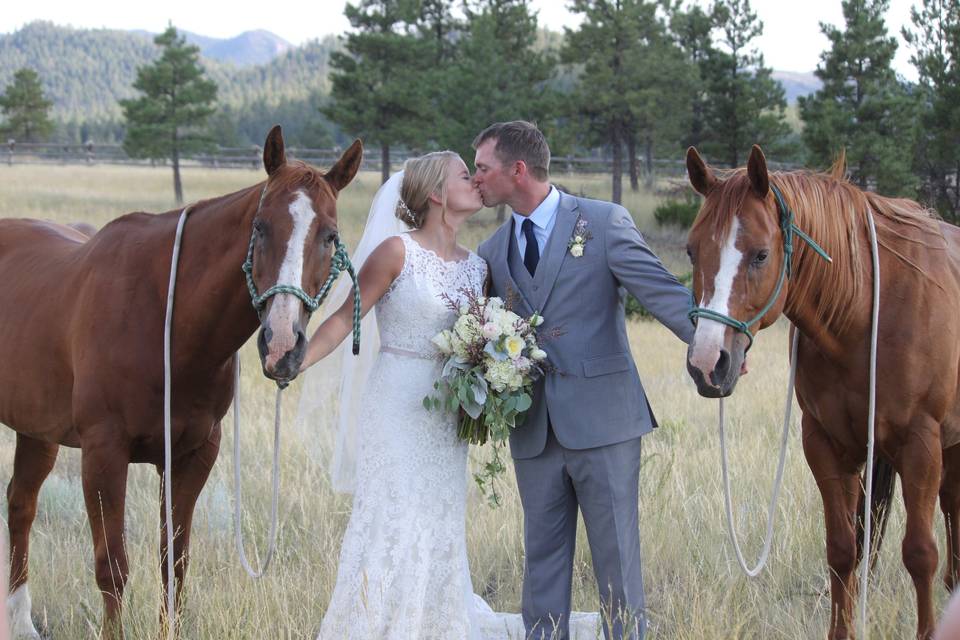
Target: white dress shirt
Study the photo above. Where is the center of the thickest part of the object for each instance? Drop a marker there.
(543, 218)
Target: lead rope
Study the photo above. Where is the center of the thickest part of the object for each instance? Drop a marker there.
(167, 446)
(777, 482)
(274, 501)
(871, 426)
(167, 449)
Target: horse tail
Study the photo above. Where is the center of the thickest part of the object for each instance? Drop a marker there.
(884, 477)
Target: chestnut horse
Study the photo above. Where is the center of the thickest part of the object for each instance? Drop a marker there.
(81, 347)
(737, 247)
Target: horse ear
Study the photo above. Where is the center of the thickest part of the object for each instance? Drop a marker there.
(347, 166)
(757, 171)
(274, 156)
(701, 176)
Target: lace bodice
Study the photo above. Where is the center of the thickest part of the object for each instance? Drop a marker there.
(413, 311)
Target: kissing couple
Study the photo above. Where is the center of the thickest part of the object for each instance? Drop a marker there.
(403, 572)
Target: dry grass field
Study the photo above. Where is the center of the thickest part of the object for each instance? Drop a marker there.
(694, 588)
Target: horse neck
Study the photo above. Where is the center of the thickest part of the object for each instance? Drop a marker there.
(831, 308)
(212, 308)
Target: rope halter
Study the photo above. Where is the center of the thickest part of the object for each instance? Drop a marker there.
(788, 229)
(339, 262)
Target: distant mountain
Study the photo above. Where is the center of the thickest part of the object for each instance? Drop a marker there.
(86, 71)
(797, 84)
(247, 49)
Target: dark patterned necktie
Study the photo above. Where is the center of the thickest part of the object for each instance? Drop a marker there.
(531, 255)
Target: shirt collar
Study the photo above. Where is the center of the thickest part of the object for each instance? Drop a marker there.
(542, 215)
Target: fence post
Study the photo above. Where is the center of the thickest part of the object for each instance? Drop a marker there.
(257, 156)
(11, 146)
(88, 145)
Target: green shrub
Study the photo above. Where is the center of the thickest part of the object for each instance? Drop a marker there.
(680, 213)
(636, 311)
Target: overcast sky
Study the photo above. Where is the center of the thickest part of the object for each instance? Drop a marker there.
(791, 40)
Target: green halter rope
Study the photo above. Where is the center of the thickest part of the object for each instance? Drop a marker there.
(339, 262)
(788, 228)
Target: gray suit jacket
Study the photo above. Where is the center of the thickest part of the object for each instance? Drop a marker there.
(595, 398)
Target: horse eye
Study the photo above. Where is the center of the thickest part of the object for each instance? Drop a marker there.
(689, 254)
(761, 257)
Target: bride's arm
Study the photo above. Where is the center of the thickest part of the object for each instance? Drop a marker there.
(378, 273)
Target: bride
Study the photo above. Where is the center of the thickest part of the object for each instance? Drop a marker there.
(403, 572)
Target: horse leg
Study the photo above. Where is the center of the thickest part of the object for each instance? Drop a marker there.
(190, 473)
(950, 505)
(32, 462)
(920, 468)
(104, 472)
(840, 491)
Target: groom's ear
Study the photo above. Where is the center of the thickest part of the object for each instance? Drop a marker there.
(519, 168)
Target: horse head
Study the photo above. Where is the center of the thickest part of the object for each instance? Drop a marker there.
(294, 237)
(737, 250)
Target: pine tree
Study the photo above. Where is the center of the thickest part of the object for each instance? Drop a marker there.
(26, 110)
(862, 107)
(744, 105)
(664, 84)
(378, 89)
(607, 48)
(497, 75)
(691, 31)
(936, 44)
(168, 121)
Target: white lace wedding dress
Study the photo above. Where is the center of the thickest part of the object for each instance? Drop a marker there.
(403, 572)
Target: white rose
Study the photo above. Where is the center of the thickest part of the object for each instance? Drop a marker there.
(576, 250)
(508, 321)
(578, 239)
(443, 342)
(490, 331)
(538, 354)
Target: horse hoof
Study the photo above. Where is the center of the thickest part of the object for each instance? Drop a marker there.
(18, 606)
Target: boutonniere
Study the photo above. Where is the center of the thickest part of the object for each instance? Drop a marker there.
(579, 238)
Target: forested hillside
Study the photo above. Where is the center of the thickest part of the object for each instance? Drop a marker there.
(85, 72)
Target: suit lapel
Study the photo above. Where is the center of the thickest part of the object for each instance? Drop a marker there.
(502, 263)
(556, 249)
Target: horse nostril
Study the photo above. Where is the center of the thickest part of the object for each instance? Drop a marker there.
(719, 372)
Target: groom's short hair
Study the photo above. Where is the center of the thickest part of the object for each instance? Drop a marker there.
(519, 140)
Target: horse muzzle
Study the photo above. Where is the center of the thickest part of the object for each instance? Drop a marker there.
(719, 379)
(280, 361)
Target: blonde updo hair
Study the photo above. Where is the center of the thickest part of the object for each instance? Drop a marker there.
(423, 177)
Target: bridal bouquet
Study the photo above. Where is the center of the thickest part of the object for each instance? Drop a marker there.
(492, 358)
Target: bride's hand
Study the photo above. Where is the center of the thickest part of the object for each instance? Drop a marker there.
(377, 274)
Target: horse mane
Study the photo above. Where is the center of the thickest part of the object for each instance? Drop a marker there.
(833, 212)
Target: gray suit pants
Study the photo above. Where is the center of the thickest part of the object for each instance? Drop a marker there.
(604, 483)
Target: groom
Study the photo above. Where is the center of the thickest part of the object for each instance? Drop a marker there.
(570, 259)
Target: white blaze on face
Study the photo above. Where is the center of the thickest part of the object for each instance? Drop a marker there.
(708, 339)
(285, 310)
(18, 606)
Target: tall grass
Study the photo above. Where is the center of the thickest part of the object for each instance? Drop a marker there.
(694, 588)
